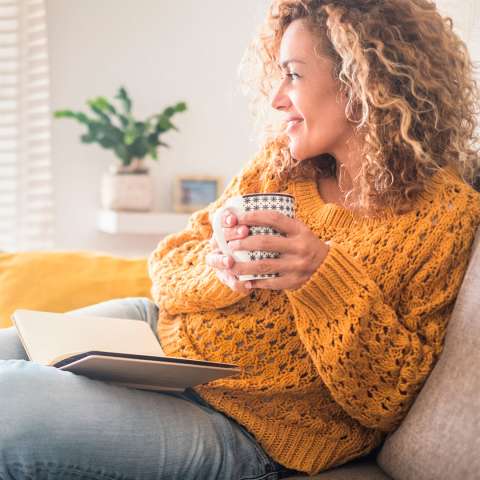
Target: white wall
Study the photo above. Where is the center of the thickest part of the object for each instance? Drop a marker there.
(466, 21)
(162, 51)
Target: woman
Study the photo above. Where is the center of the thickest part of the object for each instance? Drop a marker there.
(379, 106)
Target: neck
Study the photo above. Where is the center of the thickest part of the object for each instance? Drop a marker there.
(348, 161)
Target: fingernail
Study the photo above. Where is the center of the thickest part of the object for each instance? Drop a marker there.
(229, 220)
(248, 285)
(225, 261)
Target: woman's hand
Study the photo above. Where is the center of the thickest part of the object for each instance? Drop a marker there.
(222, 263)
(301, 252)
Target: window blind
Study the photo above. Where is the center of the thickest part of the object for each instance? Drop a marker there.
(26, 196)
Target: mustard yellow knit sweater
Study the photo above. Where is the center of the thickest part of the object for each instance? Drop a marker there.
(329, 368)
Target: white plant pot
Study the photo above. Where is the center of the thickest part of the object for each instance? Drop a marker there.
(127, 191)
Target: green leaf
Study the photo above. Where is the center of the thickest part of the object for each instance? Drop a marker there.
(81, 117)
(87, 138)
(122, 95)
(124, 121)
(99, 112)
(122, 153)
(153, 152)
(119, 131)
(169, 112)
(63, 113)
(180, 107)
(139, 148)
(129, 137)
(103, 104)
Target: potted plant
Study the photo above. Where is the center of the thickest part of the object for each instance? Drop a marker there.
(128, 184)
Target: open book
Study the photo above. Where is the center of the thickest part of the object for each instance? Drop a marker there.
(125, 352)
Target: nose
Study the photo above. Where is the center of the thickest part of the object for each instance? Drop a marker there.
(280, 100)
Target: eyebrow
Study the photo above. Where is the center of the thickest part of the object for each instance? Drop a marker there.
(291, 60)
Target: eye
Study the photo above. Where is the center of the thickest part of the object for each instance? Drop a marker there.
(291, 75)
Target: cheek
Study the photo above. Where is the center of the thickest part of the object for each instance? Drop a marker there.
(327, 114)
(330, 102)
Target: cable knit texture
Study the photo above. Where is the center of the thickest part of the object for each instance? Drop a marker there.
(327, 369)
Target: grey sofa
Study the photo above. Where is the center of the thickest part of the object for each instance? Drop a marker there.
(439, 439)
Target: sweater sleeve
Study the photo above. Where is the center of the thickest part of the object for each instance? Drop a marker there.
(372, 358)
(182, 282)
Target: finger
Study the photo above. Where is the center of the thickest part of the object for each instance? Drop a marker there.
(232, 233)
(273, 219)
(261, 267)
(269, 243)
(232, 282)
(219, 261)
(213, 243)
(229, 219)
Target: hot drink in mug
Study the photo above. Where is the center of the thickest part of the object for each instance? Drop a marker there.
(280, 202)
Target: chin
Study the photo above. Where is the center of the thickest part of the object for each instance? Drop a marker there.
(300, 154)
(296, 151)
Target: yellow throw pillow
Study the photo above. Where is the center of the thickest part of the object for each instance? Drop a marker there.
(60, 281)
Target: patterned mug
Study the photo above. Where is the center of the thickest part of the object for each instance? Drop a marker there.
(280, 202)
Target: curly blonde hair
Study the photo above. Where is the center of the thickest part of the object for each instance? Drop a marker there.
(411, 92)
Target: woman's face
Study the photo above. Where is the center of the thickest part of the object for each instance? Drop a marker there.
(309, 97)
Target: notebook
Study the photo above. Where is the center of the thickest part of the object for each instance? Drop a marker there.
(121, 351)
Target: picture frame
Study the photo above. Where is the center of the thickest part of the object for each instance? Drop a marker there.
(194, 192)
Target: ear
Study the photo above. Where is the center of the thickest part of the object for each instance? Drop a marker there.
(355, 110)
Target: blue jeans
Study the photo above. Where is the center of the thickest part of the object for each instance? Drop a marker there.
(59, 425)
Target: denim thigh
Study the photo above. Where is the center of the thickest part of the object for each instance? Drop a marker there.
(58, 425)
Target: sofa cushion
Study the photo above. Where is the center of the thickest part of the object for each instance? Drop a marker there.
(361, 469)
(440, 436)
(58, 281)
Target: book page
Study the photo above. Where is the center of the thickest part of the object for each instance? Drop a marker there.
(47, 336)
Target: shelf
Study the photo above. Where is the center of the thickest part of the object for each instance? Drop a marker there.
(148, 223)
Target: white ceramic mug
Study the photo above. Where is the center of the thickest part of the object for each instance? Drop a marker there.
(280, 202)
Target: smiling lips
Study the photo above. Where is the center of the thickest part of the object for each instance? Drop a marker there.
(293, 122)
